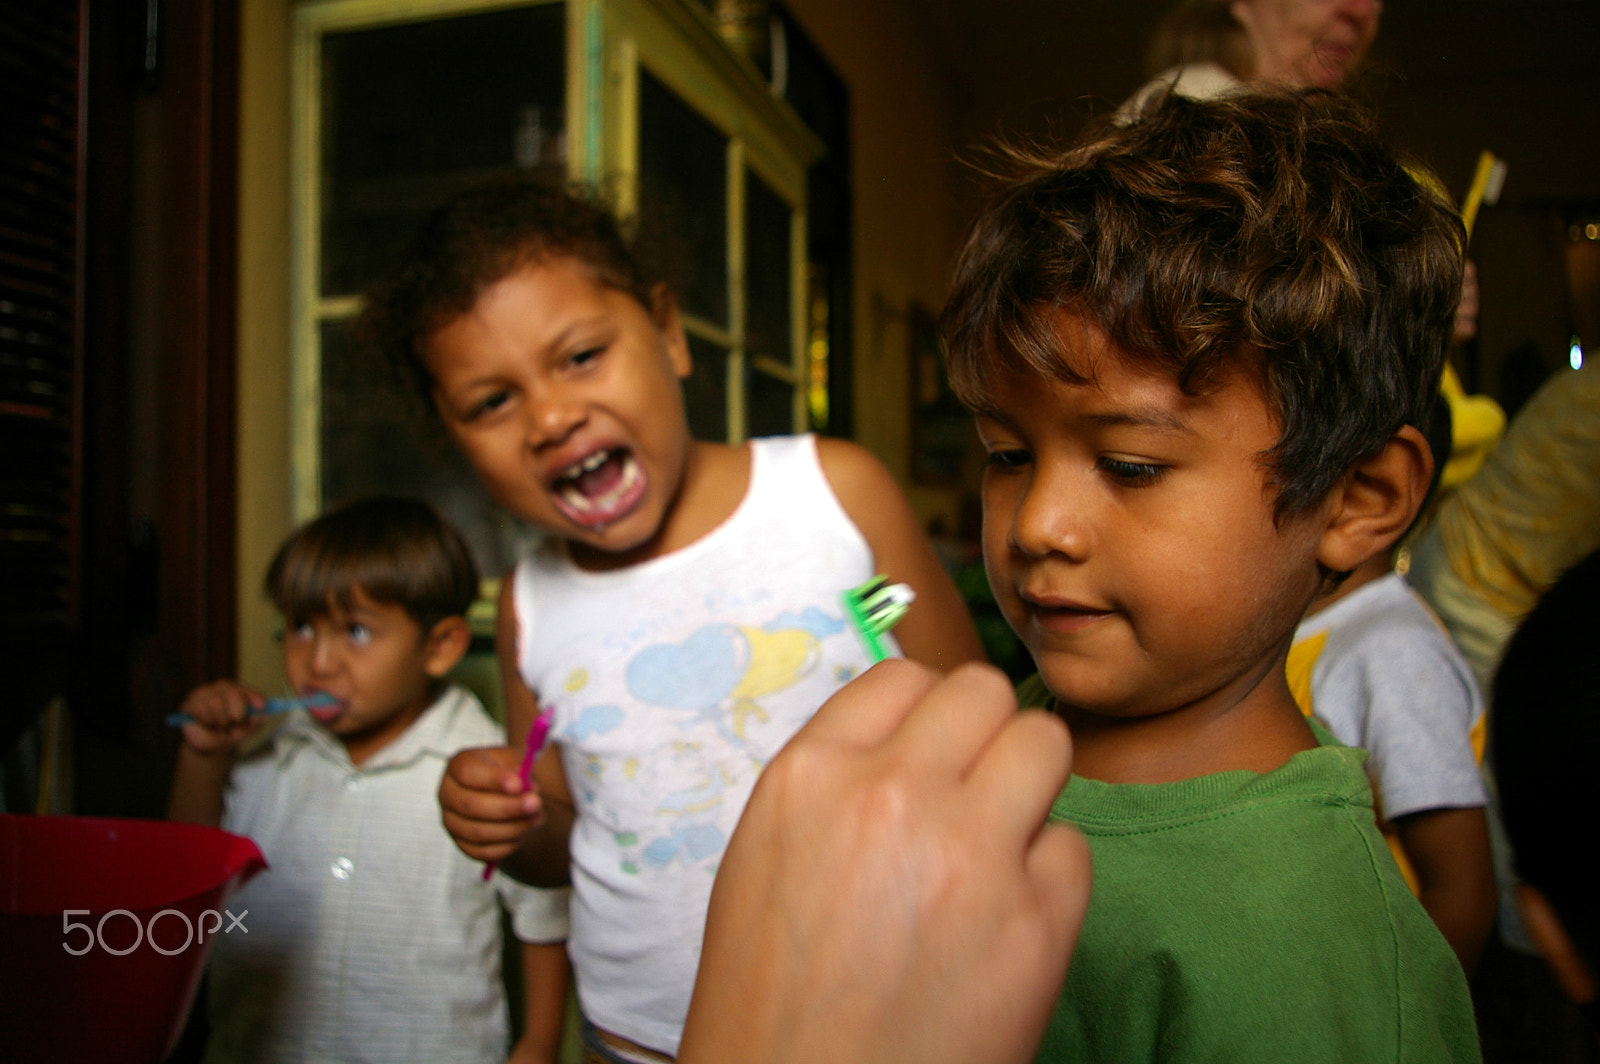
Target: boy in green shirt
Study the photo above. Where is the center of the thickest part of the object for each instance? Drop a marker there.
(1198, 347)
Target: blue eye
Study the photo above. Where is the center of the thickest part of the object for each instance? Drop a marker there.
(301, 631)
(359, 634)
(1133, 474)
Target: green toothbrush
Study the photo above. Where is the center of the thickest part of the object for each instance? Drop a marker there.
(874, 608)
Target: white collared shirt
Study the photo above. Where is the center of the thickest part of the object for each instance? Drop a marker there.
(371, 936)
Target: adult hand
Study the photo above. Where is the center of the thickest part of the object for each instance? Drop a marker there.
(892, 891)
(484, 805)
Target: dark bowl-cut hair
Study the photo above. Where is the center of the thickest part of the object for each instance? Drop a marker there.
(1273, 231)
(479, 237)
(1544, 747)
(395, 551)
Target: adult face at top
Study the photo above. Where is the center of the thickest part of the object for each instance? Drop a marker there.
(1307, 43)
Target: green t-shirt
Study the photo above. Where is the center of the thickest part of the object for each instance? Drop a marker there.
(1244, 917)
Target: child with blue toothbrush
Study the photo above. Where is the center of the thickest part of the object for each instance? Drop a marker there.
(371, 937)
(683, 617)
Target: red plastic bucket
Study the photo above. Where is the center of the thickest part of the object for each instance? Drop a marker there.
(105, 926)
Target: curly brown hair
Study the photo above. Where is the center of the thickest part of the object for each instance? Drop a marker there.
(1272, 230)
(479, 237)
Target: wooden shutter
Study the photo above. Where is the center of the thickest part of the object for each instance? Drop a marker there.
(39, 182)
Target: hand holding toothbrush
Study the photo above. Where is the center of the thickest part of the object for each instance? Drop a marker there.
(497, 809)
(321, 705)
(218, 716)
(538, 732)
(893, 891)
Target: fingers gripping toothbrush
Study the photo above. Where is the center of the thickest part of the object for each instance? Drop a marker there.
(538, 734)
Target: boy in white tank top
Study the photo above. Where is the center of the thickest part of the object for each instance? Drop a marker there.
(684, 619)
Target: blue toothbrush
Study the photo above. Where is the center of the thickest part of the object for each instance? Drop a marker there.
(271, 707)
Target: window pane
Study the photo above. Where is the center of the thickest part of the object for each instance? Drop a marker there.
(377, 438)
(768, 285)
(683, 193)
(412, 113)
(705, 393)
(771, 405)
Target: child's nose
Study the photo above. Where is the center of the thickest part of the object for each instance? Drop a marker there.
(553, 414)
(1048, 520)
(324, 655)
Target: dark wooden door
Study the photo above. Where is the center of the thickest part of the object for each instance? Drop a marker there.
(117, 251)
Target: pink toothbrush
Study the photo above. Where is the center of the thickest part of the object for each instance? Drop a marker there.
(538, 732)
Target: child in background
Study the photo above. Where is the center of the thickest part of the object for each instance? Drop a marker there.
(682, 619)
(372, 937)
(1378, 670)
(1197, 347)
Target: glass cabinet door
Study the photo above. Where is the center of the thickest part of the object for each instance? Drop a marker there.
(413, 112)
(398, 105)
(723, 175)
(773, 394)
(683, 195)
(738, 308)
(395, 118)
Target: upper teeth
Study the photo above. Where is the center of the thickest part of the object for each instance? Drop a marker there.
(593, 511)
(588, 465)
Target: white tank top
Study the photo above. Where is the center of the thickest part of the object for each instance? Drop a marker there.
(674, 682)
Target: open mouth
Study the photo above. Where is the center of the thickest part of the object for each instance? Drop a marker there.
(601, 489)
(324, 708)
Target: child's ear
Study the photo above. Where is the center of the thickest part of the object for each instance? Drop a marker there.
(1376, 501)
(446, 644)
(1550, 938)
(664, 310)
